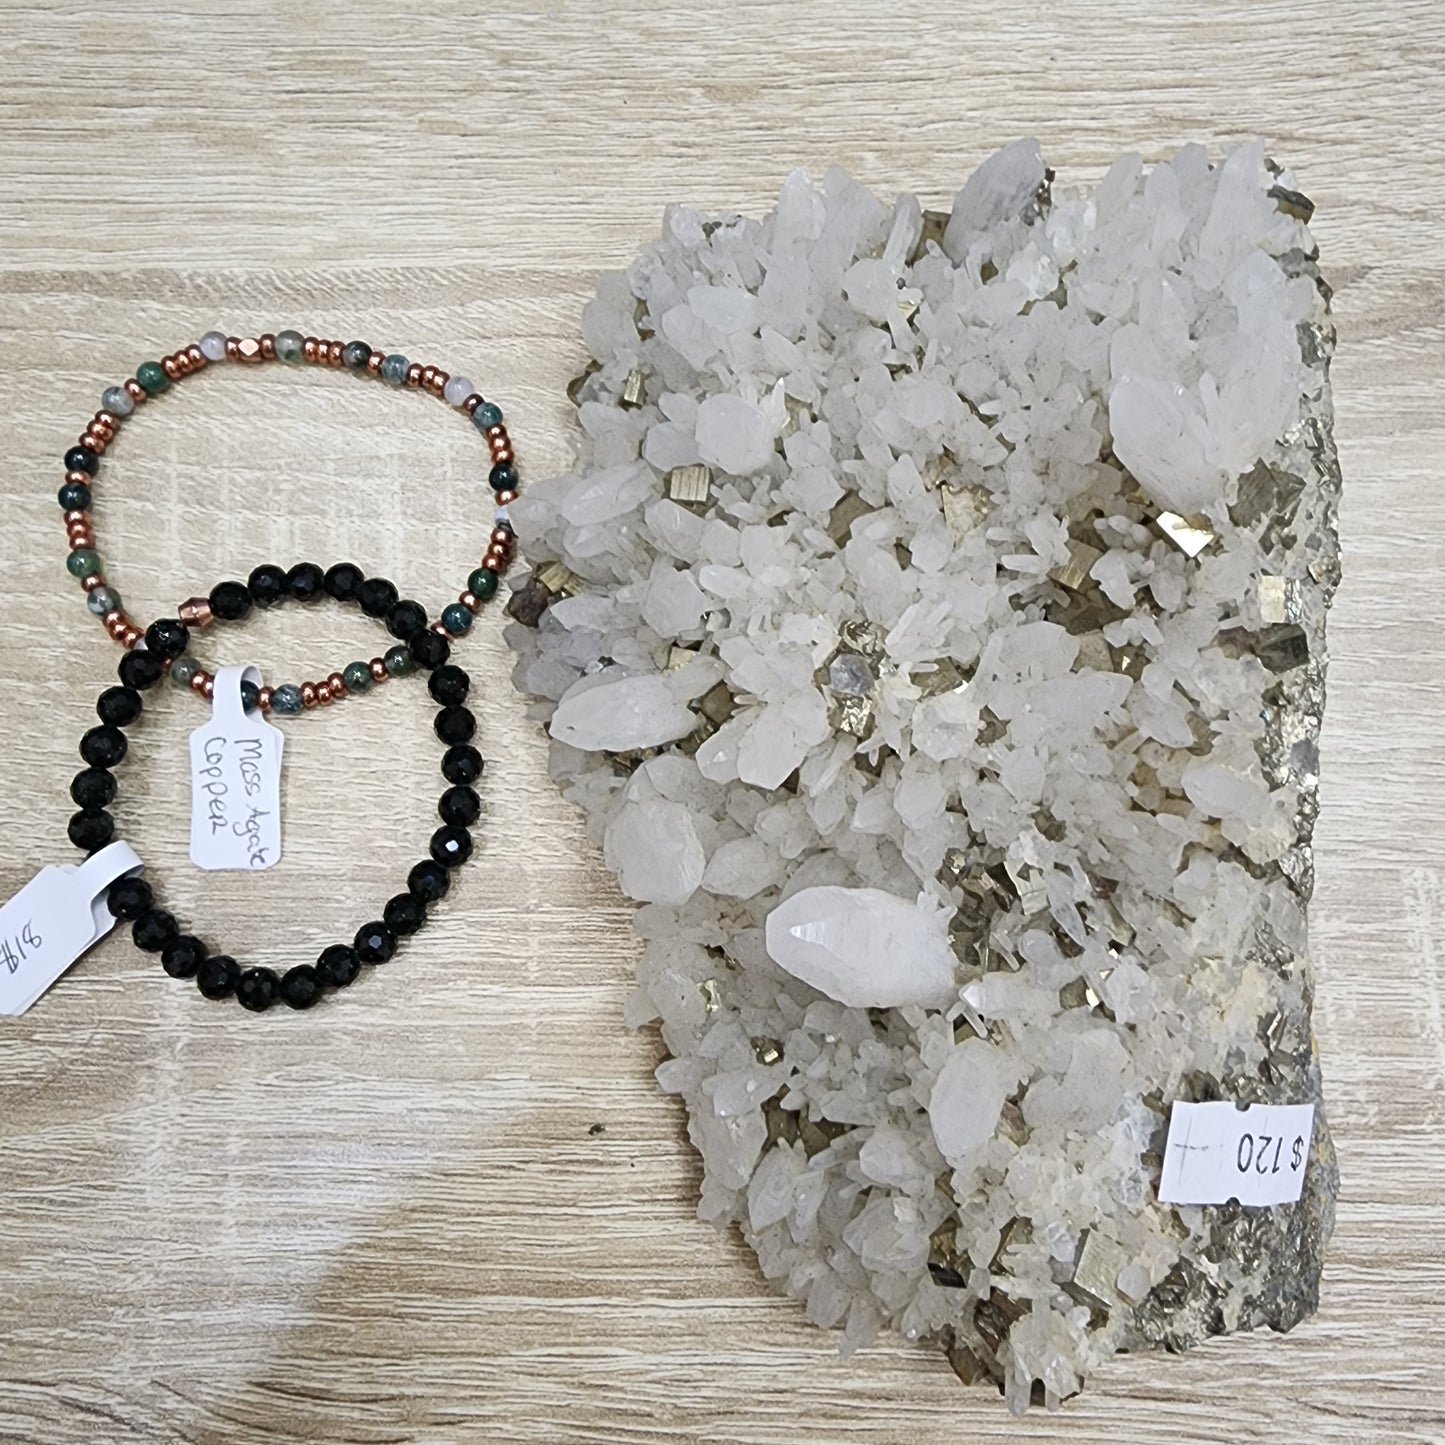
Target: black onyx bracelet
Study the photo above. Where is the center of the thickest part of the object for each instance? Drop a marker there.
(268, 584)
(183, 955)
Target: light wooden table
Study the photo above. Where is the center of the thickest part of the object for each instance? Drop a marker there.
(396, 1219)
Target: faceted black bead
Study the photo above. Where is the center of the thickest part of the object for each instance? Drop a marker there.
(305, 581)
(167, 637)
(455, 725)
(300, 986)
(183, 955)
(405, 620)
(377, 596)
(503, 477)
(103, 747)
(118, 706)
(91, 828)
(343, 581)
(375, 942)
(257, 989)
(403, 914)
(460, 807)
(462, 764)
(449, 685)
(93, 788)
(74, 497)
(429, 649)
(128, 898)
(82, 459)
(154, 929)
(338, 966)
(141, 669)
(218, 976)
(451, 846)
(267, 586)
(428, 881)
(230, 601)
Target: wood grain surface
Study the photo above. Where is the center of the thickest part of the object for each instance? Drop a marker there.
(397, 1219)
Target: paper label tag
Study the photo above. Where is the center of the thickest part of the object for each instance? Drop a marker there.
(1217, 1152)
(235, 782)
(52, 920)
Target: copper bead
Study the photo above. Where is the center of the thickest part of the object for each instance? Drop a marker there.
(248, 349)
(308, 348)
(472, 403)
(267, 343)
(76, 516)
(333, 352)
(378, 670)
(308, 694)
(89, 584)
(196, 612)
(265, 699)
(131, 636)
(136, 391)
(196, 357)
(373, 363)
(323, 693)
(337, 684)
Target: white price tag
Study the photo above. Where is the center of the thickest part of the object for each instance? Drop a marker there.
(52, 920)
(1217, 1152)
(235, 782)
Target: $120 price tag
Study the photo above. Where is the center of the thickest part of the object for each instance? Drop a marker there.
(1217, 1152)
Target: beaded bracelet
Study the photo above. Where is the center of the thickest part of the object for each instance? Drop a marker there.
(183, 955)
(268, 584)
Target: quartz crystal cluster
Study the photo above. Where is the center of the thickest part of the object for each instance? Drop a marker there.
(932, 631)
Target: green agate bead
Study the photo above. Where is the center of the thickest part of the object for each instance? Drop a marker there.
(399, 661)
(288, 345)
(457, 618)
(82, 563)
(355, 355)
(483, 582)
(393, 369)
(286, 699)
(356, 676)
(152, 376)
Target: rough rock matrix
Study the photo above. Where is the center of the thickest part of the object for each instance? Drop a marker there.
(932, 631)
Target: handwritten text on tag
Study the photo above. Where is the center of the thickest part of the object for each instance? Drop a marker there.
(1217, 1152)
(235, 782)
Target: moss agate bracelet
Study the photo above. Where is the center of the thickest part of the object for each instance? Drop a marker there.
(268, 584)
(183, 955)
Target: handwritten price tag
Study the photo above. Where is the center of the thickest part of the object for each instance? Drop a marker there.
(235, 782)
(52, 920)
(1217, 1152)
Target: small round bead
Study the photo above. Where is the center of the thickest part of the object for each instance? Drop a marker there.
(354, 355)
(91, 828)
(459, 806)
(449, 685)
(218, 976)
(118, 625)
(118, 707)
(456, 391)
(451, 847)
(230, 601)
(377, 596)
(300, 986)
(414, 374)
(373, 363)
(338, 966)
(324, 695)
(102, 600)
(183, 956)
(267, 585)
(153, 929)
(457, 618)
(213, 345)
(308, 694)
(286, 699)
(141, 669)
(378, 669)
(118, 400)
(265, 346)
(393, 369)
(170, 367)
(343, 581)
(152, 377)
(405, 620)
(103, 747)
(81, 538)
(455, 725)
(257, 989)
(333, 353)
(403, 915)
(131, 636)
(128, 898)
(305, 581)
(471, 602)
(287, 345)
(462, 764)
(428, 881)
(429, 649)
(484, 583)
(337, 683)
(167, 637)
(374, 943)
(83, 562)
(203, 684)
(487, 414)
(356, 676)
(135, 390)
(93, 788)
(82, 459)
(74, 497)
(250, 695)
(398, 661)
(263, 699)
(183, 671)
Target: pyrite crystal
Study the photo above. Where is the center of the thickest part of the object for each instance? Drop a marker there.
(933, 630)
